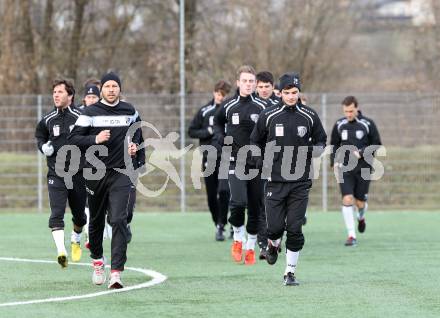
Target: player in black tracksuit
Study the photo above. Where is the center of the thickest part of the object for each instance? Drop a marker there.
(264, 90)
(238, 116)
(217, 190)
(359, 132)
(92, 94)
(106, 123)
(292, 133)
(51, 134)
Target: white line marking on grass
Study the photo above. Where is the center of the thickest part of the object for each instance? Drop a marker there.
(157, 279)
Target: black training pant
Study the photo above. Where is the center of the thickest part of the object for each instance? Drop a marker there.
(245, 193)
(59, 195)
(262, 232)
(218, 197)
(286, 205)
(110, 195)
(131, 203)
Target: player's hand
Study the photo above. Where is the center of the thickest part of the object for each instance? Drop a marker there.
(47, 149)
(357, 154)
(103, 136)
(132, 148)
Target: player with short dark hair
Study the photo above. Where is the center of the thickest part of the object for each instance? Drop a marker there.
(91, 96)
(358, 131)
(217, 190)
(290, 134)
(51, 134)
(265, 88)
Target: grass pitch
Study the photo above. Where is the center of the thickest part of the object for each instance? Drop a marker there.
(393, 272)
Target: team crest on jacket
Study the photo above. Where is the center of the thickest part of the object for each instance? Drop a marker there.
(359, 134)
(254, 117)
(302, 130)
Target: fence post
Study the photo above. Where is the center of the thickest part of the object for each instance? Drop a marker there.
(40, 160)
(324, 159)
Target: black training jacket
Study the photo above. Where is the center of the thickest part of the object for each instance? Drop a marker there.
(203, 119)
(55, 126)
(361, 133)
(117, 119)
(236, 117)
(289, 128)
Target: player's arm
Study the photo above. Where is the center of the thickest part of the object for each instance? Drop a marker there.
(41, 134)
(374, 136)
(319, 137)
(259, 133)
(196, 129)
(80, 134)
(259, 138)
(140, 154)
(136, 140)
(335, 141)
(373, 139)
(219, 127)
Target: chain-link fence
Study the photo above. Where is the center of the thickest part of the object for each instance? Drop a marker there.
(407, 123)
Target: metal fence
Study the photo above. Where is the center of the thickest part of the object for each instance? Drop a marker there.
(407, 123)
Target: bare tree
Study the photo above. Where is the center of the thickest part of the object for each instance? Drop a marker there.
(427, 51)
(47, 67)
(75, 42)
(290, 35)
(7, 59)
(140, 39)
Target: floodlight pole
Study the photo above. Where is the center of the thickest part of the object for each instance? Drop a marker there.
(182, 101)
(39, 160)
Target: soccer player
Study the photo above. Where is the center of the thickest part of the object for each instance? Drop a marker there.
(202, 127)
(51, 134)
(265, 88)
(291, 134)
(238, 115)
(358, 131)
(106, 123)
(91, 96)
